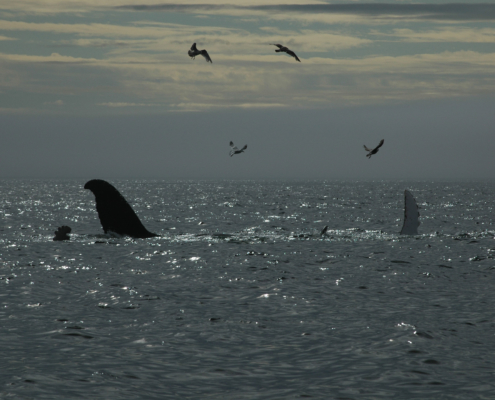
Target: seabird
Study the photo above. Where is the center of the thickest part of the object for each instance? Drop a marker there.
(375, 150)
(235, 150)
(285, 50)
(195, 52)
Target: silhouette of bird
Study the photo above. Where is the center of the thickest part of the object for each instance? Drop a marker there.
(235, 150)
(193, 52)
(285, 50)
(375, 150)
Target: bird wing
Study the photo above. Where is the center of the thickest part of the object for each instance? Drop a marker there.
(380, 144)
(231, 144)
(366, 148)
(278, 45)
(245, 147)
(193, 47)
(205, 54)
(291, 53)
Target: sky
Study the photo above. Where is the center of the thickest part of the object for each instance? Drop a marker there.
(105, 89)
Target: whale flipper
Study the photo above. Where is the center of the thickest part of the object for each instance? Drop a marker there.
(411, 215)
(115, 213)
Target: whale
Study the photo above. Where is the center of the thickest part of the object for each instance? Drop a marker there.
(62, 233)
(324, 231)
(115, 213)
(411, 215)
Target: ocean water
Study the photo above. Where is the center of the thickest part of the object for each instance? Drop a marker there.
(241, 298)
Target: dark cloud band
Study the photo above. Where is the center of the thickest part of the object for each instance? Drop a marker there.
(457, 12)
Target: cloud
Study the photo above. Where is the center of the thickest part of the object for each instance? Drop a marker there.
(260, 105)
(52, 58)
(458, 35)
(451, 12)
(240, 64)
(166, 38)
(54, 103)
(81, 6)
(309, 40)
(122, 104)
(5, 38)
(239, 81)
(17, 111)
(96, 42)
(209, 106)
(107, 30)
(144, 64)
(345, 12)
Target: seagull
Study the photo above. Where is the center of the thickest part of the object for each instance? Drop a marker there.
(375, 150)
(235, 150)
(285, 50)
(195, 52)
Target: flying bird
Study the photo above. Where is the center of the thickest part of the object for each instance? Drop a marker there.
(285, 50)
(375, 150)
(235, 150)
(193, 52)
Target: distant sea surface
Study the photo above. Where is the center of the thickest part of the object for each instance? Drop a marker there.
(242, 298)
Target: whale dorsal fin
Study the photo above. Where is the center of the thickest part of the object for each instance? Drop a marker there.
(114, 211)
(411, 215)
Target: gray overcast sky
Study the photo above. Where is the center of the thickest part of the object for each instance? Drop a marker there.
(423, 140)
(105, 89)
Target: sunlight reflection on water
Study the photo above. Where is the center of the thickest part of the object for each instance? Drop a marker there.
(253, 302)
